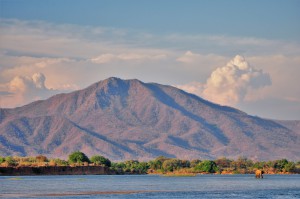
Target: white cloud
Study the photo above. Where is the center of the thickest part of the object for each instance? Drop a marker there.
(228, 85)
(24, 89)
(188, 57)
(193, 87)
(73, 56)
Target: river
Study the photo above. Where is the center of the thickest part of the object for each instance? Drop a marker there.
(150, 186)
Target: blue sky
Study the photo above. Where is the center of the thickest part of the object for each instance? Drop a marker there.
(256, 18)
(47, 47)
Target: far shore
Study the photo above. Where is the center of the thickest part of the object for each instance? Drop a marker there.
(80, 164)
(102, 170)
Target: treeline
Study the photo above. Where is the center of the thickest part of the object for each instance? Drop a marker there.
(160, 165)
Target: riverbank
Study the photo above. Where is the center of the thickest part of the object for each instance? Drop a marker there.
(103, 170)
(79, 164)
(56, 170)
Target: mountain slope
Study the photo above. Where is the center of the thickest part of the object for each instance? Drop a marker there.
(129, 119)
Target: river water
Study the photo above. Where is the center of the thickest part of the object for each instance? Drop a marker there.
(150, 186)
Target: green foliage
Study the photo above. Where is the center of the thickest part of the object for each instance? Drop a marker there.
(131, 166)
(161, 164)
(2, 159)
(207, 166)
(155, 164)
(10, 161)
(97, 159)
(290, 167)
(59, 162)
(280, 164)
(259, 165)
(193, 163)
(172, 164)
(78, 157)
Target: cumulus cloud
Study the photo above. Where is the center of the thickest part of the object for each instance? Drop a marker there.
(229, 84)
(193, 87)
(24, 89)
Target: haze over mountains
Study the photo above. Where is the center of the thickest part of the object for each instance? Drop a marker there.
(129, 119)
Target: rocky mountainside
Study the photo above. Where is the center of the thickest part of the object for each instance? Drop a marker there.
(129, 119)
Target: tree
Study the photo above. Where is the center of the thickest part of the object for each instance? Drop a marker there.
(207, 166)
(2, 159)
(290, 167)
(41, 158)
(195, 162)
(172, 164)
(78, 157)
(10, 161)
(280, 164)
(223, 162)
(98, 159)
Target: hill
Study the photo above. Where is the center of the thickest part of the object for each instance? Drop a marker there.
(129, 119)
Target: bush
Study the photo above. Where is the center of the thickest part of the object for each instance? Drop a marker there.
(78, 157)
(207, 166)
(58, 162)
(290, 167)
(97, 159)
(10, 161)
(41, 158)
(2, 159)
(172, 164)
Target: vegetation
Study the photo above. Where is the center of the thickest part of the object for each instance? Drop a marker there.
(160, 165)
(100, 160)
(78, 157)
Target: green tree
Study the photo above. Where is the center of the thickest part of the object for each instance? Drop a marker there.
(10, 161)
(2, 159)
(280, 164)
(290, 167)
(78, 157)
(98, 159)
(172, 164)
(195, 162)
(207, 166)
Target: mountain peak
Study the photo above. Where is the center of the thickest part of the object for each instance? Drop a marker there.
(130, 119)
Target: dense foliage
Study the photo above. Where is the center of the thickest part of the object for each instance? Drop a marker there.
(160, 165)
(78, 157)
(100, 160)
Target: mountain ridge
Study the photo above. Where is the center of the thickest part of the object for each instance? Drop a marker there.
(130, 119)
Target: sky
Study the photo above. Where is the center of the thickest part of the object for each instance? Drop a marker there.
(244, 54)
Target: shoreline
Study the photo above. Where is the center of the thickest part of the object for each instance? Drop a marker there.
(56, 170)
(103, 170)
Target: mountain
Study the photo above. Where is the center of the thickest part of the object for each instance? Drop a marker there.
(129, 119)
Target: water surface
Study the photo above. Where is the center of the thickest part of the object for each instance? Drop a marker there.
(150, 186)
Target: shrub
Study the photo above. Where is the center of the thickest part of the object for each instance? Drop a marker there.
(78, 157)
(10, 161)
(207, 166)
(172, 164)
(290, 167)
(97, 159)
(2, 159)
(41, 158)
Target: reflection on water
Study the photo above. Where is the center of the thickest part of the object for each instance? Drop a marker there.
(150, 186)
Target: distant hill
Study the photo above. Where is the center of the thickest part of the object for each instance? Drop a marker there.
(129, 119)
